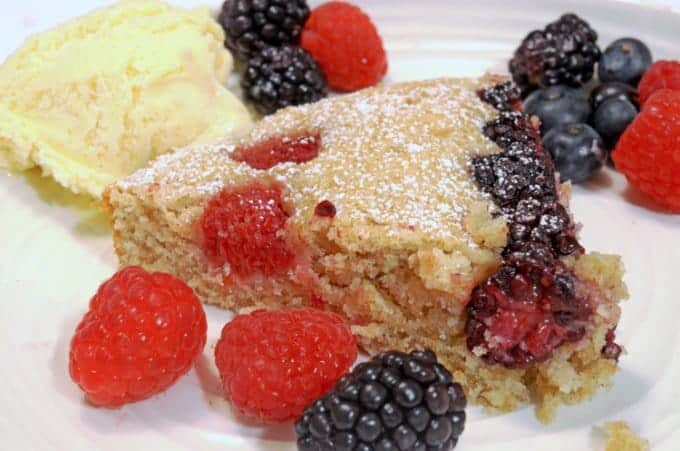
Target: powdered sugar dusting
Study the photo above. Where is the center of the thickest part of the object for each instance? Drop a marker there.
(394, 157)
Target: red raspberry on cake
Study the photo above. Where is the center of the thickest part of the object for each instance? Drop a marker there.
(273, 364)
(648, 153)
(141, 333)
(660, 75)
(300, 148)
(345, 43)
(244, 228)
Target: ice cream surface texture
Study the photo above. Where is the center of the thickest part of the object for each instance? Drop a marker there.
(95, 98)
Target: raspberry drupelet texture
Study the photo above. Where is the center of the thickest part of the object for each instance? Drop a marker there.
(564, 52)
(275, 363)
(661, 75)
(396, 401)
(532, 304)
(251, 25)
(141, 333)
(267, 154)
(648, 152)
(244, 227)
(347, 46)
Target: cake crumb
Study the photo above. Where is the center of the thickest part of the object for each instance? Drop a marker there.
(621, 438)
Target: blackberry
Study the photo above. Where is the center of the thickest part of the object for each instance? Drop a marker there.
(564, 52)
(251, 25)
(511, 127)
(530, 306)
(278, 77)
(396, 401)
(504, 96)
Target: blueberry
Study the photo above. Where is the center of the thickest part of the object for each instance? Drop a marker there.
(612, 118)
(557, 105)
(625, 60)
(613, 89)
(576, 150)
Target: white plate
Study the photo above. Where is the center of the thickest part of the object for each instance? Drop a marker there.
(55, 251)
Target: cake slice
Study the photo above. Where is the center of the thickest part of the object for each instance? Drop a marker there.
(426, 213)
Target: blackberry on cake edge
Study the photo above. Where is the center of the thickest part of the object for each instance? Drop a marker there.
(251, 25)
(394, 401)
(564, 52)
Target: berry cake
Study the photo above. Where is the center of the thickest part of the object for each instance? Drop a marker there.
(427, 214)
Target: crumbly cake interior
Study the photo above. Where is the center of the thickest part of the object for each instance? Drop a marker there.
(411, 237)
(621, 438)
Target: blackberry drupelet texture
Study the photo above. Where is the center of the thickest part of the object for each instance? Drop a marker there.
(252, 25)
(278, 77)
(503, 96)
(564, 52)
(531, 305)
(396, 401)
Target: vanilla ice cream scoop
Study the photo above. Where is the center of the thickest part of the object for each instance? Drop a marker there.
(94, 99)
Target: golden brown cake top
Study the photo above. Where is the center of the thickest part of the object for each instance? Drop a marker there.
(393, 160)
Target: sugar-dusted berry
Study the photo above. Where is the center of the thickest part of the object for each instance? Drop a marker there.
(244, 227)
(298, 148)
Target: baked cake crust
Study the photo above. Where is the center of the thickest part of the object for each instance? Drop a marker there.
(411, 237)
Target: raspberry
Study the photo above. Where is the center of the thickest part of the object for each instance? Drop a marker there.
(141, 333)
(273, 364)
(267, 154)
(243, 227)
(648, 152)
(347, 46)
(661, 75)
